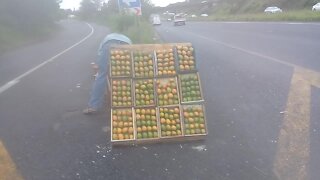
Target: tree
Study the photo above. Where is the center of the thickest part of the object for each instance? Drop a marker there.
(147, 8)
(89, 8)
(109, 8)
(112, 8)
(28, 14)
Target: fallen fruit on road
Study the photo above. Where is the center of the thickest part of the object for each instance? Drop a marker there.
(120, 63)
(122, 124)
(121, 93)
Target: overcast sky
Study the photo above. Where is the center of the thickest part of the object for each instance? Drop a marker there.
(70, 4)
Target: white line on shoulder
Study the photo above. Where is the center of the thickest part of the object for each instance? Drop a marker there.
(17, 79)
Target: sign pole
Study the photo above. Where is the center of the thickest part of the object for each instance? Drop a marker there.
(119, 7)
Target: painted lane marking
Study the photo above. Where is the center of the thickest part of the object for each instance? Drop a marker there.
(293, 151)
(17, 79)
(246, 51)
(8, 169)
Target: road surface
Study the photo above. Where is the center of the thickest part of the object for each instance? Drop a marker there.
(258, 79)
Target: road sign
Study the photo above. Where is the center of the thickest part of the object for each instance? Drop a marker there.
(131, 6)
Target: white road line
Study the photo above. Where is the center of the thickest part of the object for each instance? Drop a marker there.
(17, 79)
(246, 51)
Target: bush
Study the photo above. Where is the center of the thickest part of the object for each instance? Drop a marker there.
(136, 28)
(302, 15)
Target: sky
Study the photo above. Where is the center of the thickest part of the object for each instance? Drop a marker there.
(164, 3)
(71, 4)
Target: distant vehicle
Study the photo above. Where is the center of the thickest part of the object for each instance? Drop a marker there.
(204, 15)
(193, 16)
(316, 7)
(71, 16)
(156, 20)
(273, 10)
(179, 20)
(169, 19)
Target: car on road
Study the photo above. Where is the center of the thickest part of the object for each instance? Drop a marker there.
(273, 10)
(316, 7)
(71, 16)
(204, 15)
(179, 20)
(156, 20)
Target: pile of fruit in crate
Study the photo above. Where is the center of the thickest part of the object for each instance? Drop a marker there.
(194, 121)
(122, 124)
(120, 63)
(144, 92)
(165, 62)
(121, 93)
(190, 87)
(156, 94)
(143, 64)
(146, 123)
(170, 121)
(167, 91)
(186, 58)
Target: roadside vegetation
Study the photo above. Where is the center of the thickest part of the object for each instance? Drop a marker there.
(22, 22)
(299, 16)
(137, 28)
(246, 10)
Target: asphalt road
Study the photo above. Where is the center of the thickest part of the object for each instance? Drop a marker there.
(247, 72)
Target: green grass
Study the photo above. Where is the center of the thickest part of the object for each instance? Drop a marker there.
(12, 38)
(139, 30)
(9, 38)
(302, 15)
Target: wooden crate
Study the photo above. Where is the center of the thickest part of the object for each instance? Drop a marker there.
(153, 48)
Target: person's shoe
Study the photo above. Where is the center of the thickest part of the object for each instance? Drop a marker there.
(89, 111)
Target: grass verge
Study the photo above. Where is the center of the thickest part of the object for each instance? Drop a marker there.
(12, 38)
